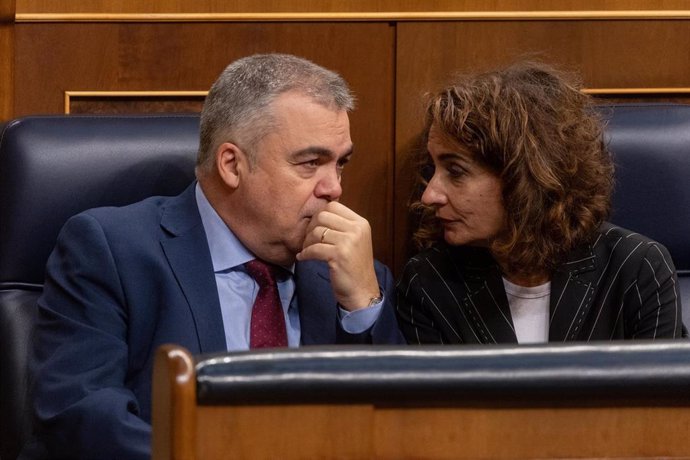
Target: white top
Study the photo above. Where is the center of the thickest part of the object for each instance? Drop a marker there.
(529, 307)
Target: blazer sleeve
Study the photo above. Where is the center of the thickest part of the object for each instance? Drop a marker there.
(657, 297)
(82, 406)
(385, 330)
(416, 323)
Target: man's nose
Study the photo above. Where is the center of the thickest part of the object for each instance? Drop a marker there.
(329, 186)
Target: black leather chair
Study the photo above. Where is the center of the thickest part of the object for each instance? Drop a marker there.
(651, 148)
(52, 167)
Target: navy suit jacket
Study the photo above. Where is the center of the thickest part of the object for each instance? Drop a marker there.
(123, 281)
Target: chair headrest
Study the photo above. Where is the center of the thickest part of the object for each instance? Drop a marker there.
(651, 149)
(52, 167)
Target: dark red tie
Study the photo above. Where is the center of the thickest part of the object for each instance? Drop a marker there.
(267, 327)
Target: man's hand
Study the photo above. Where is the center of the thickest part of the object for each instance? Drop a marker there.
(342, 238)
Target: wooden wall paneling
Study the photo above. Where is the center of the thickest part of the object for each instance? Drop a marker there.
(336, 6)
(59, 57)
(85, 102)
(608, 54)
(6, 59)
(6, 71)
(7, 10)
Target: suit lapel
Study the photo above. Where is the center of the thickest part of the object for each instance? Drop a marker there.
(572, 288)
(190, 260)
(478, 294)
(487, 305)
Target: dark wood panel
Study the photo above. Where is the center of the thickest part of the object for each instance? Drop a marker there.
(7, 10)
(134, 104)
(609, 54)
(6, 58)
(311, 431)
(188, 57)
(532, 432)
(673, 98)
(249, 6)
(6, 71)
(440, 433)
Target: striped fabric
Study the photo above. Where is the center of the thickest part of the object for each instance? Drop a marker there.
(623, 286)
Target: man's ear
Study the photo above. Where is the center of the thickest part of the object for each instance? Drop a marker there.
(229, 162)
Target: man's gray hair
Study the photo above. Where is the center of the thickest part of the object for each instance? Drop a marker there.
(237, 108)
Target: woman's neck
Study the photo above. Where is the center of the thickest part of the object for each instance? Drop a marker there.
(527, 280)
(524, 279)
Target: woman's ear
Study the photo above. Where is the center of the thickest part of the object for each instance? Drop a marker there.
(229, 161)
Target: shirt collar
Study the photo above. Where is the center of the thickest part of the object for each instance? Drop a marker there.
(227, 251)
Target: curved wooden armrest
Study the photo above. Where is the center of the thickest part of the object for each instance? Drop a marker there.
(174, 404)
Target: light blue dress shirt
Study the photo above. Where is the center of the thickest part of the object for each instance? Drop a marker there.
(237, 290)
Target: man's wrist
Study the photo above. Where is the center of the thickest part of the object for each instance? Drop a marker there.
(363, 302)
(375, 299)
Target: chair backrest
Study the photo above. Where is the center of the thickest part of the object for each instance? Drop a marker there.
(52, 167)
(651, 148)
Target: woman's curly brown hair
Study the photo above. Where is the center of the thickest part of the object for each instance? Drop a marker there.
(533, 127)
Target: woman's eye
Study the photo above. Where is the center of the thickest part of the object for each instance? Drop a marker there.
(455, 171)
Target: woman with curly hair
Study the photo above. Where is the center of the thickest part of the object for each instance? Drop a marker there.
(515, 243)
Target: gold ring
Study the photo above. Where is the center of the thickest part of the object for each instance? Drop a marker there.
(323, 235)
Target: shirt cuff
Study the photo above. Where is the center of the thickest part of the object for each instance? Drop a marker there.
(358, 321)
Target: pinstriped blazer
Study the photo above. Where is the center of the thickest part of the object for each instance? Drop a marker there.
(622, 286)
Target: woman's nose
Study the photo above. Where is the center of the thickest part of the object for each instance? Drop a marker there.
(433, 195)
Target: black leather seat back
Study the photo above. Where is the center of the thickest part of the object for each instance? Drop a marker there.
(651, 148)
(559, 374)
(17, 311)
(52, 167)
(55, 167)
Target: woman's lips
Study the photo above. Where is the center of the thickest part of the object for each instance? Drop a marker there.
(445, 221)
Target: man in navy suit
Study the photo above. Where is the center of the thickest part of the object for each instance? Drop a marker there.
(275, 138)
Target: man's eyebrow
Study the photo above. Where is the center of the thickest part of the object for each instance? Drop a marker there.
(318, 151)
(348, 153)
